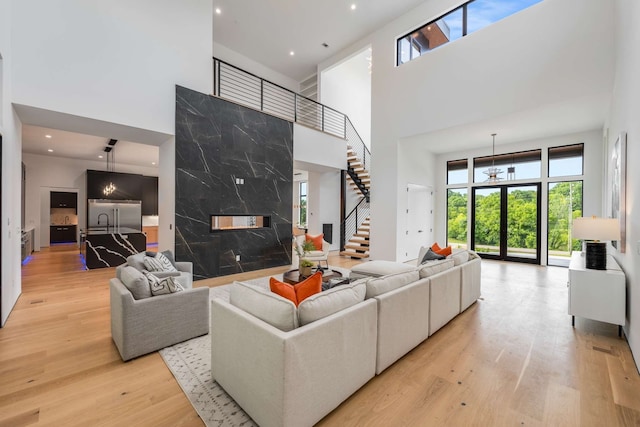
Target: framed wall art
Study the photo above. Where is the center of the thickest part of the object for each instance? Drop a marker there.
(618, 168)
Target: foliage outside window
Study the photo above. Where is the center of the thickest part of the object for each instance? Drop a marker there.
(457, 217)
(565, 205)
(302, 218)
(461, 21)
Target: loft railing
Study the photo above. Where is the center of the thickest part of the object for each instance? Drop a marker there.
(353, 221)
(245, 88)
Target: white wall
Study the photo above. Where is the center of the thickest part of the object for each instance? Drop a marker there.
(625, 110)
(318, 148)
(592, 179)
(509, 66)
(116, 61)
(347, 88)
(49, 173)
(238, 60)
(167, 196)
(10, 128)
(324, 203)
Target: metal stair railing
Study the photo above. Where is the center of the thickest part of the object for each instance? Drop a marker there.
(357, 144)
(353, 221)
(245, 88)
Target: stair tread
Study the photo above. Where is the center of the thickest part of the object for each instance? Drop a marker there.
(354, 254)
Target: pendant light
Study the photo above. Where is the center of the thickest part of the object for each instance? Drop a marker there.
(493, 172)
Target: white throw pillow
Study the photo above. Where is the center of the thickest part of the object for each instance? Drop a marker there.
(384, 284)
(265, 305)
(435, 267)
(158, 263)
(328, 302)
(162, 286)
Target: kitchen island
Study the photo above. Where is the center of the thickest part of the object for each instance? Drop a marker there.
(110, 246)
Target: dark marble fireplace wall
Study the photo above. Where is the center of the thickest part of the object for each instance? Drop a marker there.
(217, 143)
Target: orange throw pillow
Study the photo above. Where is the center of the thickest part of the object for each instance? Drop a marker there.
(299, 292)
(316, 240)
(444, 251)
(435, 247)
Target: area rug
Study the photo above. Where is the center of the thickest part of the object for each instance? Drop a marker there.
(190, 363)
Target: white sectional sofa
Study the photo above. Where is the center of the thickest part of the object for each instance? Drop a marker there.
(288, 366)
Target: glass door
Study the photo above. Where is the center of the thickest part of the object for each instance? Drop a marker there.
(506, 222)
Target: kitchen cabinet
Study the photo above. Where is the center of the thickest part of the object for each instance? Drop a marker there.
(151, 232)
(127, 186)
(63, 199)
(62, 233)
(149, 195)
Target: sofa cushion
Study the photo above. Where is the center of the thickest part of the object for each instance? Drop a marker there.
(300, 291)
(328, 302)
(429, 255)
(137, 261)
(167, 253)
(459, 257)
(379, 268)
(265, 305)
(444, 251)
(158, 263)
(384, 284)
(136, 282)
(162, 286)
(434, 267)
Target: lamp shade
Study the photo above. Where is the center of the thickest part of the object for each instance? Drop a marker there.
(596, 228)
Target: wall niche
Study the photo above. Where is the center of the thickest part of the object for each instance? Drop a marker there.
(231, 161)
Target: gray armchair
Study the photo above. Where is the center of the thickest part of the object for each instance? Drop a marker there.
(141, 326)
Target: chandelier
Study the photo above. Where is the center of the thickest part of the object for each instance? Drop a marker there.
(493, 172)
(110, 149)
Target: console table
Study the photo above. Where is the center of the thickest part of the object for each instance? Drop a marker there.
(596, 294)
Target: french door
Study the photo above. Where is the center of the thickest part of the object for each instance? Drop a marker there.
(505, 222)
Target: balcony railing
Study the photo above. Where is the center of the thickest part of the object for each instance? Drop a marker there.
(244, 88)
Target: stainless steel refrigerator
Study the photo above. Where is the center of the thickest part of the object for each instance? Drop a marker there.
(116, 215)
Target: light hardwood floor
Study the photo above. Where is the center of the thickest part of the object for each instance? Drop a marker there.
(510, 359)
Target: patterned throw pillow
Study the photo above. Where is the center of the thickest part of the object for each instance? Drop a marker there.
(158, 263)
(166, 285)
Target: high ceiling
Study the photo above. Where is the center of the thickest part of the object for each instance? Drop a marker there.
(267, 31)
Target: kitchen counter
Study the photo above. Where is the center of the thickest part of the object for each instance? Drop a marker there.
(110, 247)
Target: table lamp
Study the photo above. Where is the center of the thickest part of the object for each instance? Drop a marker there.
(596, 231)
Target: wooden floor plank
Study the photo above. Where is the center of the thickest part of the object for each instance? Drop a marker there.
(512, 358)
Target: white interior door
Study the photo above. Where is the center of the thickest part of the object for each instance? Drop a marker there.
(419, 219)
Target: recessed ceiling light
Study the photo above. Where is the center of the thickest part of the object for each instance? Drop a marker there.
(218, 11)
(153, 163)
(353, 6)
(100, 156)
(292, 53)
(50, 150)
(48, 136)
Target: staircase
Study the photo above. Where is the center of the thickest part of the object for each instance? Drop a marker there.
(358, 245)
(356, 224)
(358, 177)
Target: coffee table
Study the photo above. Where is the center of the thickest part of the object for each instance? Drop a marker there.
(330, 278)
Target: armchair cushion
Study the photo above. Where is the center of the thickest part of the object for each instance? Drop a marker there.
(316, 240)
(136, 282)
(158, 263)
(161, 286)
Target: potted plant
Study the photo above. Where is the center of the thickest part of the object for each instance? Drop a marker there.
(305, 267)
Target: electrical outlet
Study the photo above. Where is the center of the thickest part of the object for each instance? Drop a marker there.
(237, 257)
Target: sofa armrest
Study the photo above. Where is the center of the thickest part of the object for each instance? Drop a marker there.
(142, 326)
(292, 378)
(403, 321)
(184, 266)
(470, 282)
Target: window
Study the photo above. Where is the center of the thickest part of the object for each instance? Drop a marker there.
(463, 20)
(514, 166)
(457, 217)
(566, 160)
(302, 219)
(564, 205)
(457, 172)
